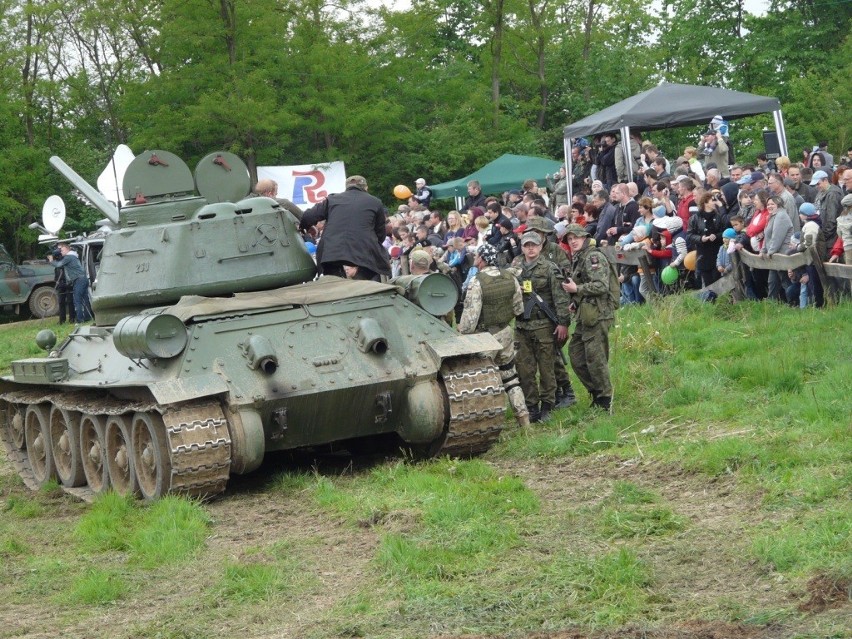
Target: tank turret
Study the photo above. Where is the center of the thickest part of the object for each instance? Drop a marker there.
(183, 234)
(214, 344)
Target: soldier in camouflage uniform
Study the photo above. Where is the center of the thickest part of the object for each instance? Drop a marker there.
(543, 323)
(592, 289)
(493, 299)
(553, 252)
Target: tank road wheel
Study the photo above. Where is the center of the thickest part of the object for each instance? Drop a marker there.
(37, 436)
(43, 302)
(122, 477)
(93, 453)
(151, 455)
(65, 444)
(13, 420)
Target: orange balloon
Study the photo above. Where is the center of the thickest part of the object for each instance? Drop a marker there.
(691, 260)
(402, 192)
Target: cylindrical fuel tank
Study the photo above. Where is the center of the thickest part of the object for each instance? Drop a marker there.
(150, 336)
(435, 293)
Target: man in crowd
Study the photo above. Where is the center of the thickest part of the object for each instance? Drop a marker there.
(827, 203)
(776, 187)
(474, 196)
(686, 205)
(543, 323)
(269, 188)
(354, 231)
(715, 150)
(802, 188)
(493, 299)
(594, 288)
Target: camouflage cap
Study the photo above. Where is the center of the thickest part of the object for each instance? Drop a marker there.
(488, 253)
(536, 223)
(576, 230)
(420, 258)
(531, 237)
(357, 181)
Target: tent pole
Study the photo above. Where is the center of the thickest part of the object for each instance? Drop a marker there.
(625, 148)
(569, 167)
(780, 132)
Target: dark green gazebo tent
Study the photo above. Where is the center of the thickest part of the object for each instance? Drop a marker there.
(503, 174)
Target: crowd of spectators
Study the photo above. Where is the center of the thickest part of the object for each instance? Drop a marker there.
(690, 214)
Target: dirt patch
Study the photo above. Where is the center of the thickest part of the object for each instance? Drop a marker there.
(826, 592)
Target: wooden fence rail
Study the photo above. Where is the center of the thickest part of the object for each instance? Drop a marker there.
(829, 273)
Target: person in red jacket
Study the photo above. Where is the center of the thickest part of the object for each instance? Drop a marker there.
(686, 206)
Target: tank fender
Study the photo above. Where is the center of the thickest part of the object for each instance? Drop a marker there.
(247, 440)
(183, 389)
(484, 343)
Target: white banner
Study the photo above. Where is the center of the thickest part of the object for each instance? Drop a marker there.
(306, 184)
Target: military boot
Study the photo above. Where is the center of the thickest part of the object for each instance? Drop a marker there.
(523, 420)
(565, 397)
(544, 413)
(534, 414)
(604, 403)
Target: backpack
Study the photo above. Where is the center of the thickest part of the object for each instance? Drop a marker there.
(614, 284)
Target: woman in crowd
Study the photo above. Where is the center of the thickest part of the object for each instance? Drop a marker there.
(454, 226)
(776, 239)
(818, 161)
(592, 213)
(471, 233)
(704, 232)
(646, 208)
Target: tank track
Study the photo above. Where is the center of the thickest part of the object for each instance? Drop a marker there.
(477, 406)
(197, 433)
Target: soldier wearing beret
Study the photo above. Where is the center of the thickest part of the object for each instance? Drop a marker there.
(543, 323)
(594, 288)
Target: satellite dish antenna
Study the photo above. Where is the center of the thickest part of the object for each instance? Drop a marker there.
(112, 177)
(53, 214)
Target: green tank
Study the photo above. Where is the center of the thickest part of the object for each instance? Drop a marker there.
(213, 343)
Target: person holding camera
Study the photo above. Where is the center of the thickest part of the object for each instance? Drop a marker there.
(606, 161)
(64, 291)
(75, 276)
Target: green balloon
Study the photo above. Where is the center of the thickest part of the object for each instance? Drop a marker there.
(669, 275)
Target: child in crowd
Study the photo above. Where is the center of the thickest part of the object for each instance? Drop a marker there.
(724, 264)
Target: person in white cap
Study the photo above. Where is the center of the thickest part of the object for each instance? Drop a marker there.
(423, 194)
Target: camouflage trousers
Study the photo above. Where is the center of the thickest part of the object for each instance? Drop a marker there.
(505, 360)
(535, 355)
(589, 353)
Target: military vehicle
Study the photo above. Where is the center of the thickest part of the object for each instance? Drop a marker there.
(27, 286)
(214, 344)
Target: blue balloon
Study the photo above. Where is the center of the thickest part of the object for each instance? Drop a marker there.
(312, 248)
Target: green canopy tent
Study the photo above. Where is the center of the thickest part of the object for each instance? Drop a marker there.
(503, 174)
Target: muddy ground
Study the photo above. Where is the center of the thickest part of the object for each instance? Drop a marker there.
(248, 516)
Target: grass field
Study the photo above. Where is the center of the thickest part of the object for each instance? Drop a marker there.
(715, 502)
